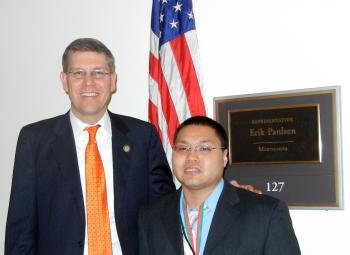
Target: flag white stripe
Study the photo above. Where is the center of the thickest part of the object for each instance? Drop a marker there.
(192, 42)
(154, 96)
(154, 45)
(172, 77)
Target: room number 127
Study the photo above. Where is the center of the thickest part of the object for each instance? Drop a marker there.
(274, 186)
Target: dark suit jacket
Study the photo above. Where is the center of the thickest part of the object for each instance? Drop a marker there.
(46, 211)
(244, 223)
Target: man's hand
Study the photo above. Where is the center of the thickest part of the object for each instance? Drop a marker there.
(245, 186)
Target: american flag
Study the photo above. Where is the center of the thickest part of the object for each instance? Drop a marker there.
(175, 87)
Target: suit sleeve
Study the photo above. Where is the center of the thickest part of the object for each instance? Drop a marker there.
(160, 176)
(281, 238)
(21, 218)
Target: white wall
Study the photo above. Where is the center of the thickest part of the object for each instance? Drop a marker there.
(246, 46)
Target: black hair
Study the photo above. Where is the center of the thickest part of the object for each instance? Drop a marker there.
(208, 122)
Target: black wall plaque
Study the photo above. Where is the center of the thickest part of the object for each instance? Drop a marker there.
(274, 135)
(300, 163)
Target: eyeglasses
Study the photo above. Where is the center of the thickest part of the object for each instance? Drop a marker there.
(81, 73)
(184, 149)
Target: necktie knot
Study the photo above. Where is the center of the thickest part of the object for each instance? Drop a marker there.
(92, 133)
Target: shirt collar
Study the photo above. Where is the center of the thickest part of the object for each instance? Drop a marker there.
(211, 200)
(78, 126)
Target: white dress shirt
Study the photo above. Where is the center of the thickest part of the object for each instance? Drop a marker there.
(104, 144)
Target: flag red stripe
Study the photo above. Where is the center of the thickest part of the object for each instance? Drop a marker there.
(188, 75)
(168, 107)
(153, 117)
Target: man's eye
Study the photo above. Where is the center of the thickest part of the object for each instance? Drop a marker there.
(181, 148)
(78, 73)
(98, 73)
(204, 149)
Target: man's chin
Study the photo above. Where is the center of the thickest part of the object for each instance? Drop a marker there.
(192, 185)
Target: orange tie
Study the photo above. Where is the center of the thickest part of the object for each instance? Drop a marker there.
(99, 233)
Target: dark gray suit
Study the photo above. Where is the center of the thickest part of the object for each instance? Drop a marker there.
(46, 211)
(244, 223)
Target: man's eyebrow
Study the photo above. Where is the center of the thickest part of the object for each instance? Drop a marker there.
(201, 141)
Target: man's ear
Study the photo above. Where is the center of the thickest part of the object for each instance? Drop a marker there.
(114, 83)
(225, 158)
(63, 77)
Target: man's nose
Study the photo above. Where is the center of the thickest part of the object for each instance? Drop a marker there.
(192, 154)
(89, 79)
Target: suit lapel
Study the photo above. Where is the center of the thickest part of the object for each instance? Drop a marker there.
(171, 222)
(225, 218)
(121, 149)
(63, 148)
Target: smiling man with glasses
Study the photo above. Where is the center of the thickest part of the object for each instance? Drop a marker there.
(208, 215)
(80, 178)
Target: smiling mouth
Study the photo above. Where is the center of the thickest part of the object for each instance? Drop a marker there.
(191, 170)
(89, 94)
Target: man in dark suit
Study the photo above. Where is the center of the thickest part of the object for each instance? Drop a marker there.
(47, 211)
(208, 216)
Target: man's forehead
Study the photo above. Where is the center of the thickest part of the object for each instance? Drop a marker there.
(197, 133)
(87, 57)
(199, 140)
(87, 54)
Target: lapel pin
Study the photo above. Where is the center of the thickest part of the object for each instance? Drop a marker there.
(126, 148)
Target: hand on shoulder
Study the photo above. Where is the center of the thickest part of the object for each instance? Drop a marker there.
(245, 186)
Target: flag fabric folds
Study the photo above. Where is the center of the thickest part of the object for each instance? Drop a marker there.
(175, 87)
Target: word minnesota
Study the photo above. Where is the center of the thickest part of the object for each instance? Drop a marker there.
(272, 131)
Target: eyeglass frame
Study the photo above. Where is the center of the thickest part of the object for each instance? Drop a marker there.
(97, 73)
(200, 148)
